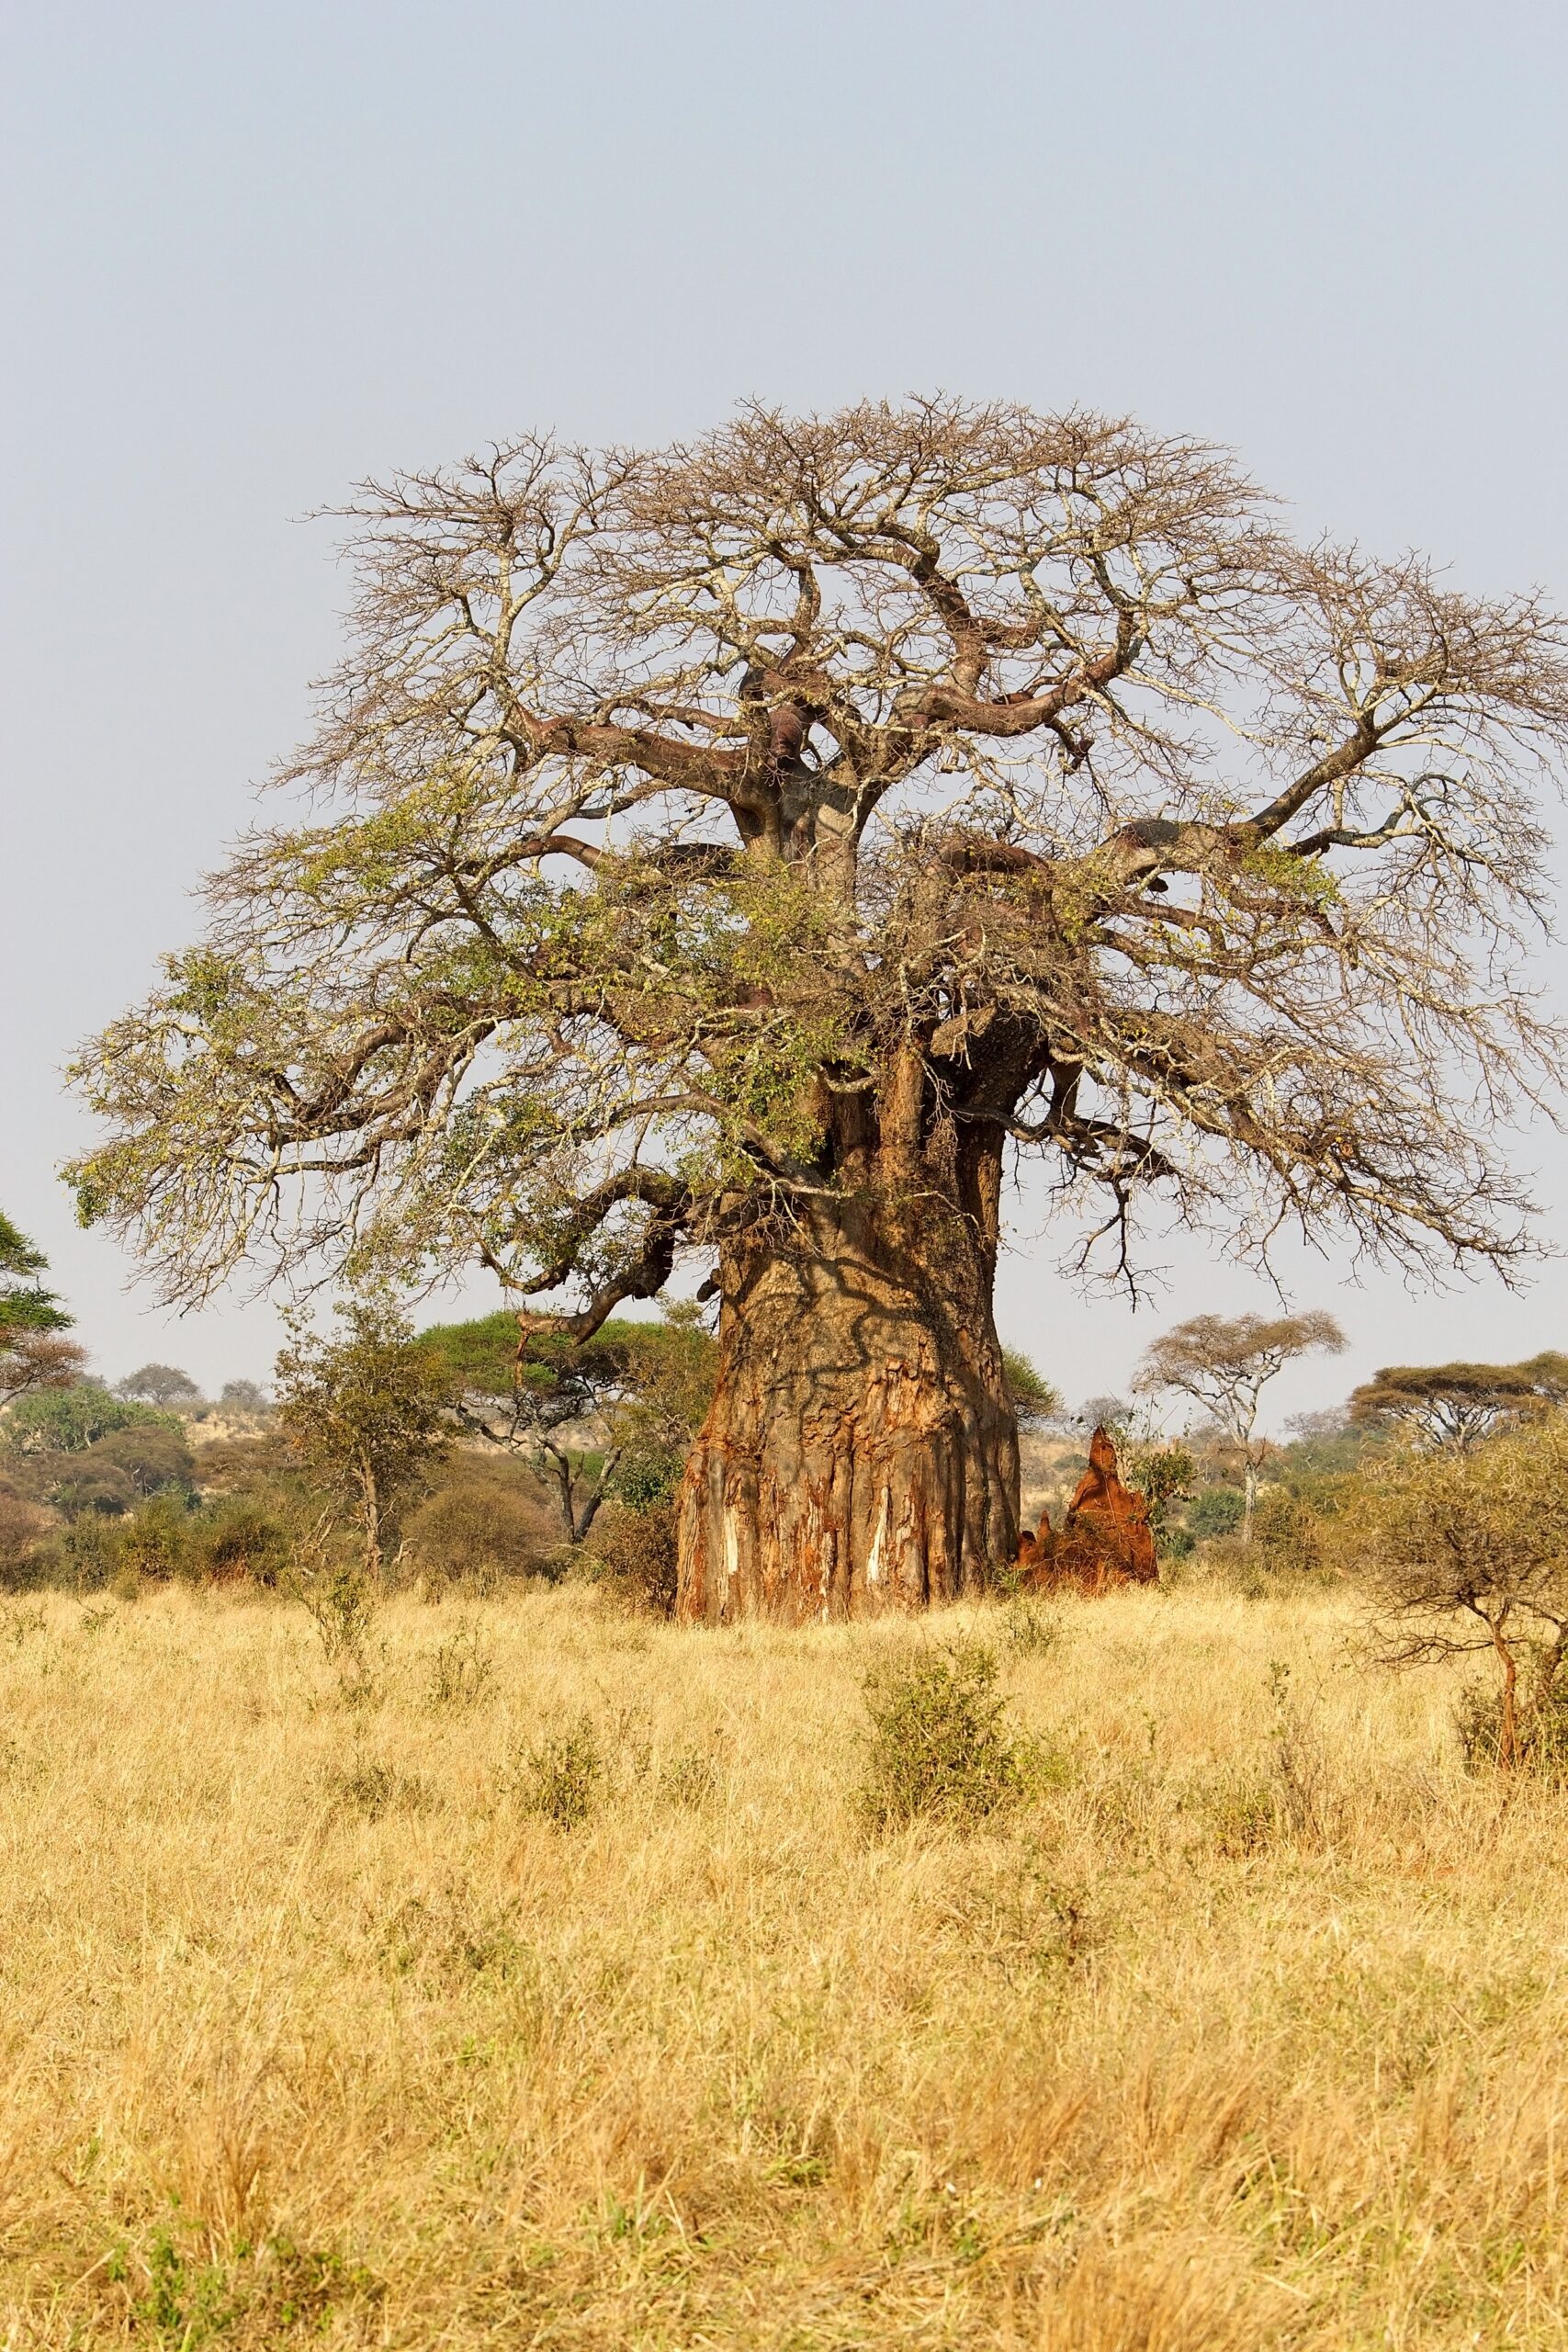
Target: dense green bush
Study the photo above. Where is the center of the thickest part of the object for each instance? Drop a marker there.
(1540, 1737)
(68, 1420)
(483, 1524)
(24, 1536)
(939, 1744)
(117, 1472)
(1214, 1511)
(237, 1539)
(635, 1553)
(1285, 1534)
(155, 1542)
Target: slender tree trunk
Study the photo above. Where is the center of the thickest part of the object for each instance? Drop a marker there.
(578, 1522)
(1508, 1741)
(860, 1453)
(1249, 1494)
(370, 1520)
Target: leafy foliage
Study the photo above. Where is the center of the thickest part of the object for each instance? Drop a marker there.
(648, 1383)
(1214, 1511)
(366, 1413)
(34, 1355)
(159, 1385)
(117, 1472)
(157, 1544)
(1225, 1363)
(634, 1547)
(479, 1527)
(243, 1397)
(1460, 1404)
(563, 1776)
(25, 1305)
(1286, 1534)
(1034, 1399)
(939, 1746)
(1467, 1549)
(1540, 1734)
(69, 1420)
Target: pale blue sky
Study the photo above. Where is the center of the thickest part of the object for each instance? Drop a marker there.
(254, 252)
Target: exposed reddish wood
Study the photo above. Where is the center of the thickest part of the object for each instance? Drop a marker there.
(861, 1454)
(1105, 1538)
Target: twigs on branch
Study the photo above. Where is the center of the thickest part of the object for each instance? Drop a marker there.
(671, 807)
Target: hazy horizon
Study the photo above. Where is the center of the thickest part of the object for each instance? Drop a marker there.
(256, 254)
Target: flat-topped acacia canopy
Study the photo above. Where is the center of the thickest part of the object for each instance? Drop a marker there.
(729, 851)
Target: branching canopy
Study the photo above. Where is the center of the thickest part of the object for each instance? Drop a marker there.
(663, 800)
(33, 1353)
(1460, 1404)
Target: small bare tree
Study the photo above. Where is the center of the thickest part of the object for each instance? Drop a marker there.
(1467, 1549)
(1223, 1363)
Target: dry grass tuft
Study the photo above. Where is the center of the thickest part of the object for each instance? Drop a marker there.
(552, 1987)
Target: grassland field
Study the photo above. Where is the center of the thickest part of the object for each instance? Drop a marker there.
(541, 1983)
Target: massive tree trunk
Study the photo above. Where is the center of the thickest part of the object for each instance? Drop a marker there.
(862, 1453)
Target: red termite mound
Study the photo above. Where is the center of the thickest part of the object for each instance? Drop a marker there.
(1105, 1538)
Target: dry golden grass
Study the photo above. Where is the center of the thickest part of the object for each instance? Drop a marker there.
(312, 2031)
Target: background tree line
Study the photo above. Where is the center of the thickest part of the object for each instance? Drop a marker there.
(475, 1452)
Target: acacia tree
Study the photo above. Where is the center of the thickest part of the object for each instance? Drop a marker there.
(1460, 1404)
(1225, 1363)
(34, 1352)
(163, 1384)
(369, 1412)
(731, 852)
(1466, 1548)
(647, 1383)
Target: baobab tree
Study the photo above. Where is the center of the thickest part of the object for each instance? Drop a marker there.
(1224, 1363)
(727, 854)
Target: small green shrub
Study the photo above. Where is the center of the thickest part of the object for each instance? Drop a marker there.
(635, 1553)
(689, 1777)
(1215, 1511)
(938, 1745)
(462, 1668)
(1029, 1630)
(563, 1778)
(339, 1598)
(1240, 1815)
(156, 1543)
(1543, 1739)
(376, 1789)
(263, 2290)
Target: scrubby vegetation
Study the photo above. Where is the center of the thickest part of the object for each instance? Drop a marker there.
(555, 1985)
(487, 1961)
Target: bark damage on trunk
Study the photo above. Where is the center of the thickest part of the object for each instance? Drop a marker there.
(860, 1453)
